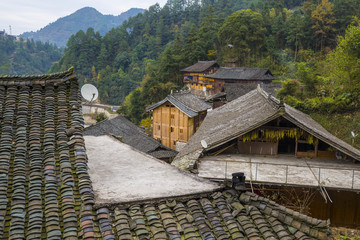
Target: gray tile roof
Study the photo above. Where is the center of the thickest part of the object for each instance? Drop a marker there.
(242, 73)
(186, 102)
(45, 189)
(245, 114)
(200, 67)
(235, 90)
(217, 215)
(131, 135)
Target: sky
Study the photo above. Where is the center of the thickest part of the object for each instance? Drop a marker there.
(32, 15)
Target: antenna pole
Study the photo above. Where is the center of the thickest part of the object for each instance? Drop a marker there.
(92, 97)
(91, 101)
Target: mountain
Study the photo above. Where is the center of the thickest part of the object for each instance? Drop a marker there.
(59, 31)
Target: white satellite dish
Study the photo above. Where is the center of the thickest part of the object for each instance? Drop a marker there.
(89, 92)
(203, 144)
(353, 134)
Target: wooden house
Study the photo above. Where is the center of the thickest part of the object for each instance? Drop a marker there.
(238, 75)
(194, 77)
(207, 78)
(177, 118)
(280, 149)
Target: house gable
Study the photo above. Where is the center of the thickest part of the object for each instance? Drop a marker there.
(246, 114)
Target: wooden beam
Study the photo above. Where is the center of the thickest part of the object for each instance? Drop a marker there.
(222, 150)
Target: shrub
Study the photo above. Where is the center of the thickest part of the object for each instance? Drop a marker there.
(101, 117)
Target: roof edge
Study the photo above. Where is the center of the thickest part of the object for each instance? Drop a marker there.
(191, 116)
(324, 139)
(170, 99)
(184, 197)
(25, 80)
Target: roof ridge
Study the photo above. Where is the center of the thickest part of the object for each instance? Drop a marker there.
(278, 105)
(49, 75)
(24, 80)
(183, 104)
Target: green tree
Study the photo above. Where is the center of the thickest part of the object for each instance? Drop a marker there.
(345, 62)
(241, 36)
(295, 34)
(344, 10)
(323, 21)
(209, 26)
(306, 73)
(193, 49)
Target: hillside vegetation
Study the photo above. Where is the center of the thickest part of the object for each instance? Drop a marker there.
(311, 46)
(20, 57)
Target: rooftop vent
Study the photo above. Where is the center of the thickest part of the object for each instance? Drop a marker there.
(238, 181)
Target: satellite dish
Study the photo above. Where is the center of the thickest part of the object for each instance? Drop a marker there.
(204, 144)
(89, 92)
(353, 134)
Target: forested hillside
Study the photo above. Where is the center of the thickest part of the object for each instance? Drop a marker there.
(19, 57)
(302, 42)
(59, 31)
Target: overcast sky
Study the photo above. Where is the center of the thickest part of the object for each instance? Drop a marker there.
(31, 15)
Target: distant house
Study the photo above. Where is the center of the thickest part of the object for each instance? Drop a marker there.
(278, 147)
(239, 75)
(207, 78)
(194, 76)
(132, 135)
(177, 117)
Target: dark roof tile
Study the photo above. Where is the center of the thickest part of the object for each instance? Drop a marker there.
(34, 122)
(200, 67)
(131, 135)
(211, 217)
(235, 90)
(185, 102)
(242, 73)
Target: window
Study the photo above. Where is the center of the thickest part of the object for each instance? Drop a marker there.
(171, 129)
(181, 130)
(172, 116)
